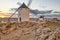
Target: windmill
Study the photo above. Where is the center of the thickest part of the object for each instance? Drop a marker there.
(23, 12)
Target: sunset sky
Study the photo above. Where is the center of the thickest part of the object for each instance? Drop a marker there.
(5, 5)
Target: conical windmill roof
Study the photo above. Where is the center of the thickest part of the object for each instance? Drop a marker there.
(23, 6)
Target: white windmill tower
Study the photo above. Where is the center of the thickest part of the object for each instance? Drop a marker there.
(23, 12)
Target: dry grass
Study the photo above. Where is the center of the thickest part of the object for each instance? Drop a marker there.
(30, 31)
(53, 24)
(8, 26)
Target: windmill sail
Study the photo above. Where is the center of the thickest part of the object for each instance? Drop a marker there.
(29, 3)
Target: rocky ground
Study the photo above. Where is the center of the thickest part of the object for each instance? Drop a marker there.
(29, 31)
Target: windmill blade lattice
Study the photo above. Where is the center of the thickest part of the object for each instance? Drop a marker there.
(13, 13)
(29, 3)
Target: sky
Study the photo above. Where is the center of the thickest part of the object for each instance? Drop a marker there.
(5, 5)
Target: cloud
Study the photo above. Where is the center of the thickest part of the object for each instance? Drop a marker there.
(41, 12)
(56, 11)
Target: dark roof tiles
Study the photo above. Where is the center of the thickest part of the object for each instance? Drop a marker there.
(23, 6)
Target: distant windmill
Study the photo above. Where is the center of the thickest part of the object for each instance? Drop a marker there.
(23, 11)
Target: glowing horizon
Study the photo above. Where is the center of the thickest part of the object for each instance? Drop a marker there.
(2, 15)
